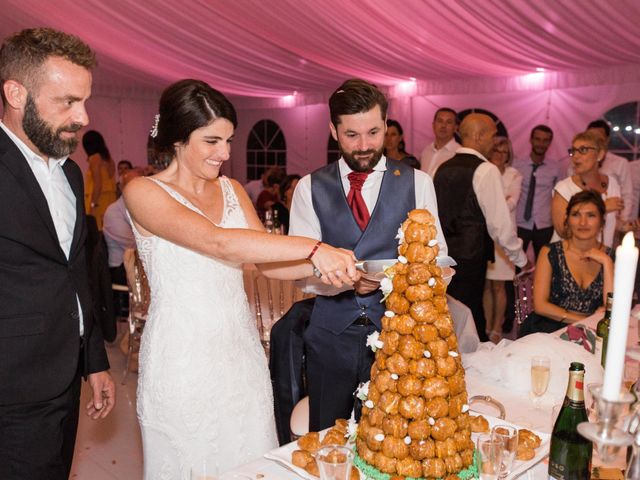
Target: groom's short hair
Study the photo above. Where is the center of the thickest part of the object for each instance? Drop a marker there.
(356, 96)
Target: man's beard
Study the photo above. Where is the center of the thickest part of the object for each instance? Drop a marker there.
(42, 135)
(362, 165)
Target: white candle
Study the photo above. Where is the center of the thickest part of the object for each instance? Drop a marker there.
(623, 281)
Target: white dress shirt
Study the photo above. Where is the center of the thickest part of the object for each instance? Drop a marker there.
(487, 185)
(432, 157)
(304, 221)
(117, 231)
(57, 191)
(618, 167)
(634, 169)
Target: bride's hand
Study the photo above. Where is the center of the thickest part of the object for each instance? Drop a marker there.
(336, 265)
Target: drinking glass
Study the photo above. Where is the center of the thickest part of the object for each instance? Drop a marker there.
(540, 373)
(334, 462)
(490, 451)
(204, 470)
(507, 436)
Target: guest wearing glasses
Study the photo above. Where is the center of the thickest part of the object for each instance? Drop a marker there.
(574, 275)
(204, 391)
(502, 269)
(587, 151)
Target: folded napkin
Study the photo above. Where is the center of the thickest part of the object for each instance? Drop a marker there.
(582, 335)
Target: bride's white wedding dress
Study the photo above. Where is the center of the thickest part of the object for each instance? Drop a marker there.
(204, 390)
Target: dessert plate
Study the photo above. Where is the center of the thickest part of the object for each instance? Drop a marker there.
(282, 455)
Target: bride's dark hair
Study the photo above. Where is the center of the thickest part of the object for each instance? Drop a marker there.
(186, 106)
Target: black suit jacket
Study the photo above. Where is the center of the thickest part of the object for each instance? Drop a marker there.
(39, 326)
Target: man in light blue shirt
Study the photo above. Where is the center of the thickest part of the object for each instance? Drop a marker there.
(539, 176)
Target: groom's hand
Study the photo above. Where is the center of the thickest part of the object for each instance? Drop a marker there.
(103, 396)
(364, 286)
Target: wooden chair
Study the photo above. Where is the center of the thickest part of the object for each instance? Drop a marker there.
(139, 296)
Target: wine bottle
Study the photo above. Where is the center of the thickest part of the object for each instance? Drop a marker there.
(602, 332)
(570, 453)
(268, 221)
(277, 226)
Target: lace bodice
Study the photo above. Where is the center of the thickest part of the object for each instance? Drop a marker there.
(204, 388)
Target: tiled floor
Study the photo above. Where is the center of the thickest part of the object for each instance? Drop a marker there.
(111, 448)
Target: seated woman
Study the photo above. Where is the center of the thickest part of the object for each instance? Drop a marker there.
(573, 276)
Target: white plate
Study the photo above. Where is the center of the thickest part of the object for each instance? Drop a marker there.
(519, 466)
(447, 273)
(282, 455)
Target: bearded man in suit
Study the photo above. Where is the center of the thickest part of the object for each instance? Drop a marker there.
(48, 338)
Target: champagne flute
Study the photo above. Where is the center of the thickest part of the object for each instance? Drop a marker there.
(540, 373)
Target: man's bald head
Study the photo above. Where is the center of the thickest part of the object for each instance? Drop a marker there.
(477, 131)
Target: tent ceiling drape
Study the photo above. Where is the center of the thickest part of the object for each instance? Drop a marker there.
(273, 48)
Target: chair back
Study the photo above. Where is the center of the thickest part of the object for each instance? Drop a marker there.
(523, 286)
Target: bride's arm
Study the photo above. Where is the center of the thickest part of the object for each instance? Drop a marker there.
(279, 270)
(155, 212)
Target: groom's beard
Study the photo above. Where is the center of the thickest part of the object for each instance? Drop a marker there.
(368, 159)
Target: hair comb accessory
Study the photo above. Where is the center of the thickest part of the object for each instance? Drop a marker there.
(154, 131)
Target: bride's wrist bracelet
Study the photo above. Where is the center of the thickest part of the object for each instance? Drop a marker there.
(315, 249)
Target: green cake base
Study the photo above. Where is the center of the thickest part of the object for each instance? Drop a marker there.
(372, 473)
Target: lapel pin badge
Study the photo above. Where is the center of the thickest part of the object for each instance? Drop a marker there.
(396, 172)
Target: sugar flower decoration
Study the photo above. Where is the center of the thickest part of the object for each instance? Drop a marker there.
(394, 376)
(386, 287)
(453, 353)
(389, 314)
(433, 242)
(427, 353)
(352, 427)
(374, 342)
(154, 129)
(402, 259)
(431, 282)
(379, 437)
(407, 440)
(368, 404)
(400, 236)
(362, 392)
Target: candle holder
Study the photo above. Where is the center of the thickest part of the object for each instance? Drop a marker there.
(603, 433)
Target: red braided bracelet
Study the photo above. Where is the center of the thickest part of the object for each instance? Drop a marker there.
(315, 249)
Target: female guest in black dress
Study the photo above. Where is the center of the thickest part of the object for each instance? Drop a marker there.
(573, 276)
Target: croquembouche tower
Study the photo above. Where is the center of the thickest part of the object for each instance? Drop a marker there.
(414, 420)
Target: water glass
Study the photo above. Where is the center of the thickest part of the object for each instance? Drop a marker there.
(490, 451)
(204, 470)
(507, 436)
(334, 462)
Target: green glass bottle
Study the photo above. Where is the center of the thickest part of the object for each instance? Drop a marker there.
(602, 332)
(570, 453)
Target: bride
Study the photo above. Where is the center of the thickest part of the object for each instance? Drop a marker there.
(204, 392)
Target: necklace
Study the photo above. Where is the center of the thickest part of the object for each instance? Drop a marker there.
(584, 184)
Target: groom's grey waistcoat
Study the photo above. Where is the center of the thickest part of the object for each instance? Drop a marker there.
(339, 228)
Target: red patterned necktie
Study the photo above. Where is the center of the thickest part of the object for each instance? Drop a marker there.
(355, 200)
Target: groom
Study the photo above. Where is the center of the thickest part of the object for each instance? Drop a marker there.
(357, 203)
(48, 338)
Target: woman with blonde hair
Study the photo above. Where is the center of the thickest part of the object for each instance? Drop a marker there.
(501, 270)
(587, 152)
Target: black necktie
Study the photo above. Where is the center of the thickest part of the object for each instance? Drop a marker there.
(528, 207)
